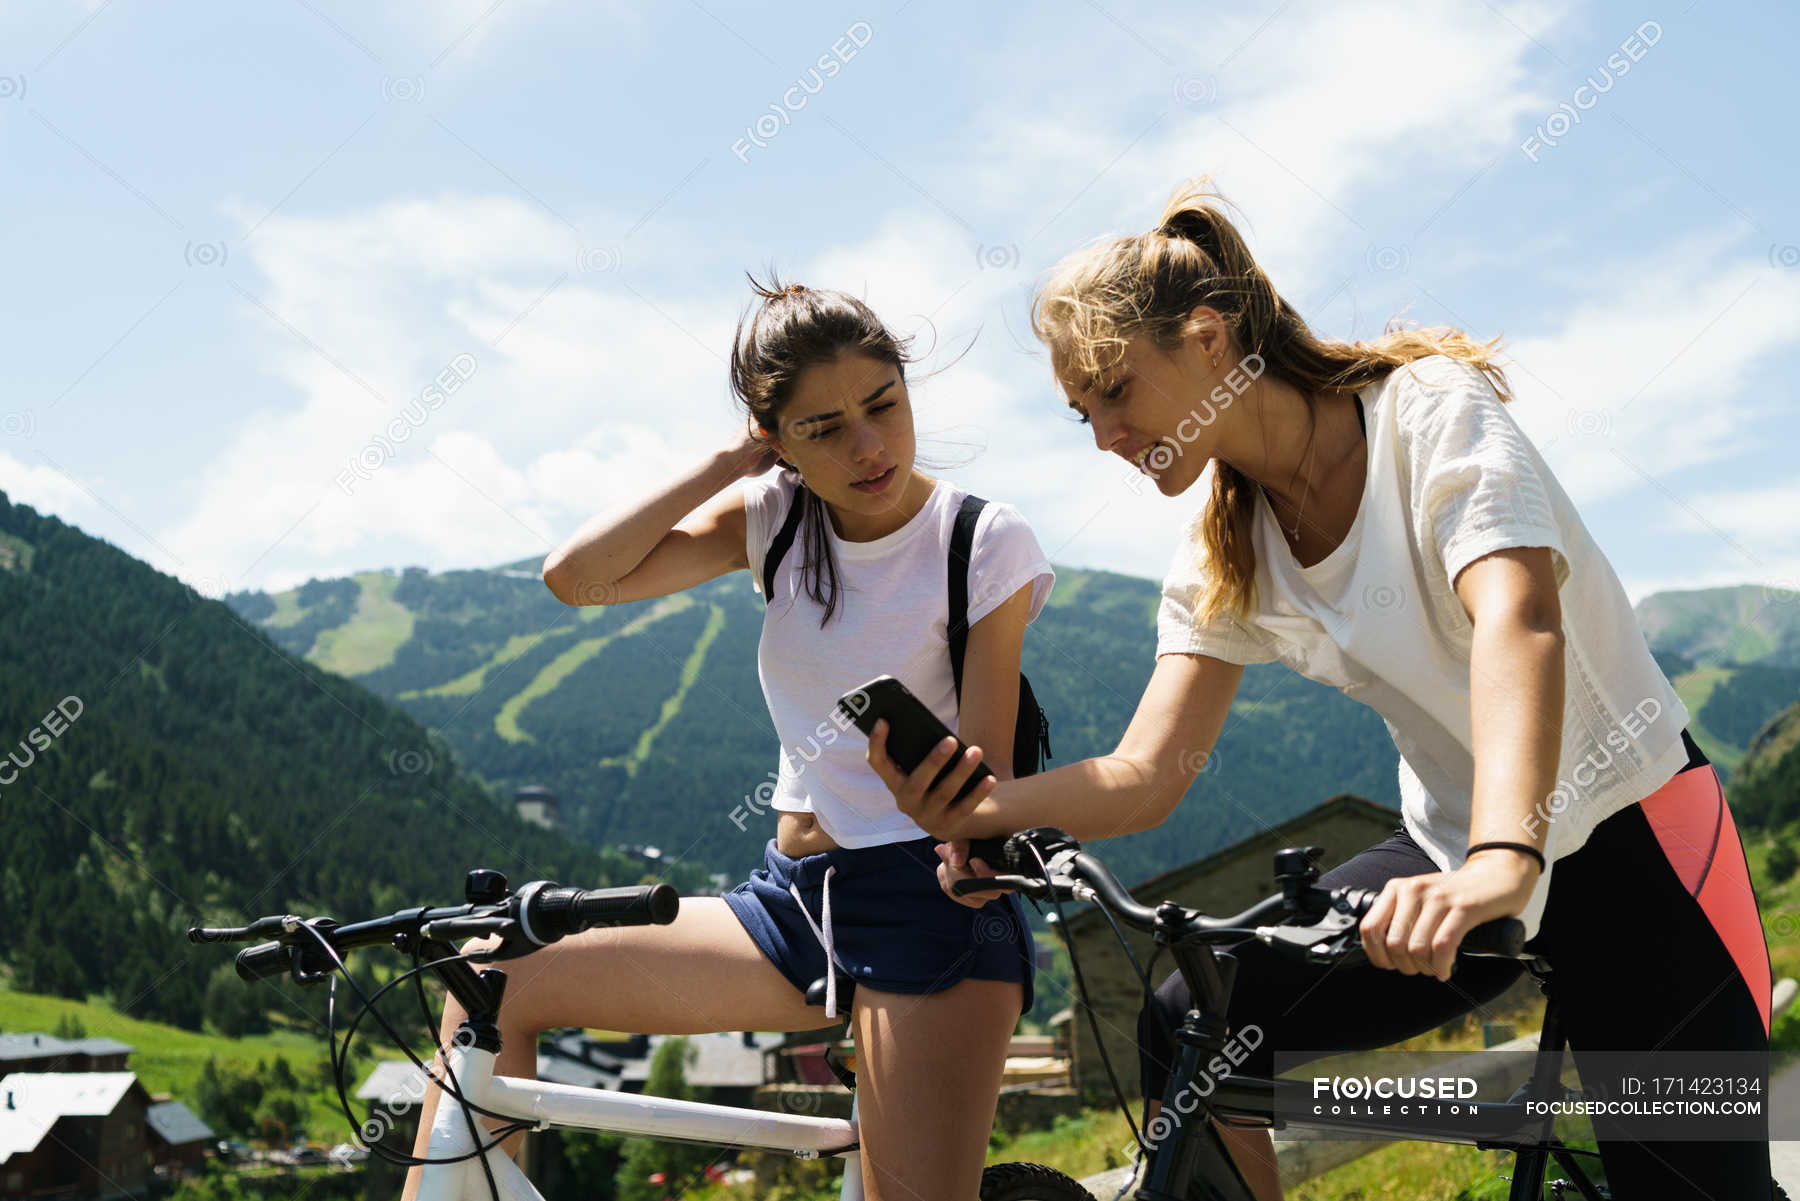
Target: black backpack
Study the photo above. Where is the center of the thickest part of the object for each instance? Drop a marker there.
(1031, 734)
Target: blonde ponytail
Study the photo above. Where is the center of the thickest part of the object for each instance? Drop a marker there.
(1147, 285)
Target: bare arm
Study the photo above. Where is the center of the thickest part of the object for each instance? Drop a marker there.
(1134, 788)
(990, 691)
(684, 534)
(1515, 713)
(1515, 690)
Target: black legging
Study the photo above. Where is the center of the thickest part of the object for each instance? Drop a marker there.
(1636, 961)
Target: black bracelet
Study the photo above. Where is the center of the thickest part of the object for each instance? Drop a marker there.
(1523, 848)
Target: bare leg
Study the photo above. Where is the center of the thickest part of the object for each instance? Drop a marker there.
(1253, 1151)
(701, 973)
(928, 1079)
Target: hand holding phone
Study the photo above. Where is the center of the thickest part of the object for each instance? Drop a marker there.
(913, 729)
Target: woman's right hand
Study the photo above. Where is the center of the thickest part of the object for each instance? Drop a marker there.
(957, 865)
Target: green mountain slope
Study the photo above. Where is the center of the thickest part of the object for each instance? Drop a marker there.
(1765, 790)
(1733, 655)
(648, 720)
(170, 765)
(1727, 626)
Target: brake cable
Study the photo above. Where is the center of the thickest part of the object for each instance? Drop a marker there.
(338, 1062)
(1082, 993)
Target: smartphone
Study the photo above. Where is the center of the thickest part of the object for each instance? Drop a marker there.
(913, 729)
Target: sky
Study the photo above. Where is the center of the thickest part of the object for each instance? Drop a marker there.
(244, 244)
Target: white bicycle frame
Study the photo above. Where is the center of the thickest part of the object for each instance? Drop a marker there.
(568, 1105)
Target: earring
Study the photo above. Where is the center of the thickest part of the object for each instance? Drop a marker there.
(1215, 360)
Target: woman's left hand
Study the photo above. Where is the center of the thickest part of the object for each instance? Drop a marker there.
(933, 810)
(1417, 922)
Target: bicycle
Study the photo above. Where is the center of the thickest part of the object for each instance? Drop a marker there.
(1190, 1162)
(464, 1161)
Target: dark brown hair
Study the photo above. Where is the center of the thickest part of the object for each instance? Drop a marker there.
(796, 327)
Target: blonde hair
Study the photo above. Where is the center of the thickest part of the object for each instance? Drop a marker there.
(1149, 284)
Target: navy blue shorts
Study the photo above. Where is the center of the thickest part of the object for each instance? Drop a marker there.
(893, 929)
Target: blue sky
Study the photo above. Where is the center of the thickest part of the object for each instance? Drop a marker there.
(241, 240)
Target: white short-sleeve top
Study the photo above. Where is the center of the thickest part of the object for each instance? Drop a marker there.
(1451, 477)
(893, 618)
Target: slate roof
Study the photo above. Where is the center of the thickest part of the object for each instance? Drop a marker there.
(15, 1047)
(176, 1124)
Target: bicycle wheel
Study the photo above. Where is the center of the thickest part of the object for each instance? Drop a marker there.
(1029, 1182)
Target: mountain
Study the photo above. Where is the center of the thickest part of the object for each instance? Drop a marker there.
(163, 763)
(1733, 655)
(1749, 624)
(1765, 790)
(647, 720)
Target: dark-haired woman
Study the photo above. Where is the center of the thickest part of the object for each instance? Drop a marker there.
(1374, 518)
(861, 591)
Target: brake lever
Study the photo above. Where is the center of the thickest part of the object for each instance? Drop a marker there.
(1334, 938)
(446, 929)
(1031, 886)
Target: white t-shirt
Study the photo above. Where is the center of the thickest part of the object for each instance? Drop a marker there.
(1451, 478)
(893, 618)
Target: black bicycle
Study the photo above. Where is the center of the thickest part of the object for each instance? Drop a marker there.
(1189, 1162)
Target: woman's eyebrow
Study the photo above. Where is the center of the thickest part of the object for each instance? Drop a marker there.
(816, 418)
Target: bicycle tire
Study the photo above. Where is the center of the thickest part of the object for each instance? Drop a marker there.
(1029, 1182)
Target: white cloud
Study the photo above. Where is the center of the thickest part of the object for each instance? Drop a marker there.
(603, 383)
(1651, 373)
(44, 488)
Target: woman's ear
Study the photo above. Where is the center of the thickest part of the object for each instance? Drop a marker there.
(1206, 331)
(761, 433)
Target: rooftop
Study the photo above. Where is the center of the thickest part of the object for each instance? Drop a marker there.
(32, 1102)
(176, 1124)
(15, 1047)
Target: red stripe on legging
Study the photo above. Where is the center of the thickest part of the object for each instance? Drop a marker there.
(1693, 826)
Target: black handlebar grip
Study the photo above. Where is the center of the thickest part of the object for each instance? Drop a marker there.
(1504, 938)
(211, 934)
(262, 961)
(555, 911)
(655, 905)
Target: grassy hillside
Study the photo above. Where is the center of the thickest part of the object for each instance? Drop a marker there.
(174, 767)
(169, 1060)
(648, 720)
(1747, 624)
(1765, 791)
(1733, 655)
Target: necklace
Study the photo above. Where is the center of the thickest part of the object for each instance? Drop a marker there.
(1294, 534)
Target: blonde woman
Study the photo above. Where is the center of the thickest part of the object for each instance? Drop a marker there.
(1370, 514)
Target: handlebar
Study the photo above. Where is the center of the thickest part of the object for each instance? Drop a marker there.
(536, 915)
(1046, 862)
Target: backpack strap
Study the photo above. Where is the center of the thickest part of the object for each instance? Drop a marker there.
(962, 543)
(784, 538)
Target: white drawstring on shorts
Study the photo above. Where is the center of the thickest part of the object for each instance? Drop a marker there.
(823, 934)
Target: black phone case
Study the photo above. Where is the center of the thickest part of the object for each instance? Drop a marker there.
(913, 729)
